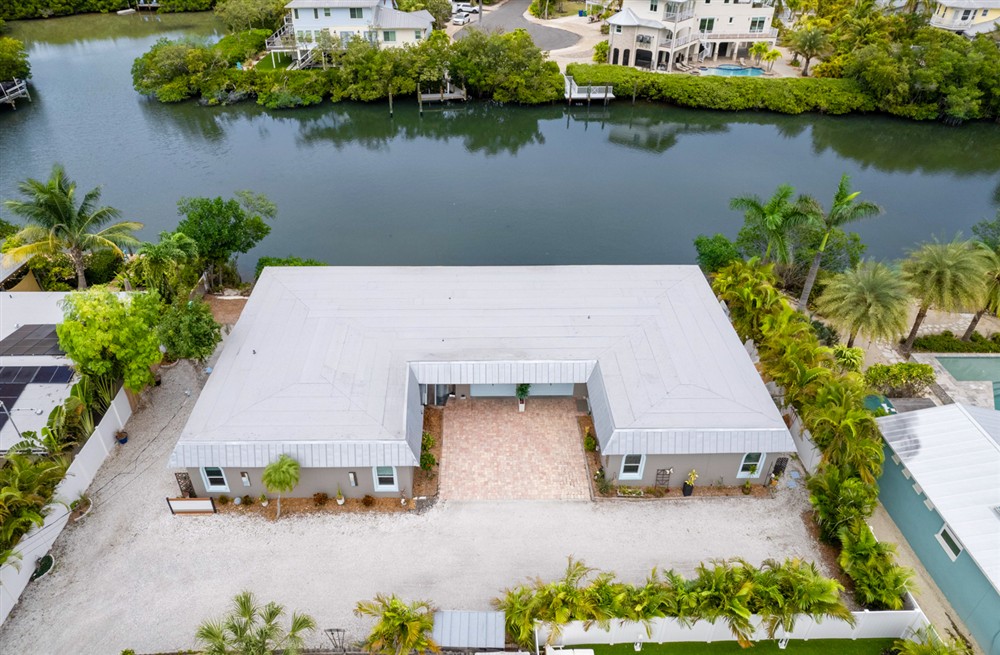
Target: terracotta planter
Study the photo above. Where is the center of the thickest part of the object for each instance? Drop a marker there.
(687, 489)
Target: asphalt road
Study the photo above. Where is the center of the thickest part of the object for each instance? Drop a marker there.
(510, 16)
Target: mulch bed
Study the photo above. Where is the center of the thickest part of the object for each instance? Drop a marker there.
(303, 506)
(225, 312)
(425, 484)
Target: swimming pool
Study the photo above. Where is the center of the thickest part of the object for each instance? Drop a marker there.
(969, 369)
(732, 70)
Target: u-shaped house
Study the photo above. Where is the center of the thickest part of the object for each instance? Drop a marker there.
(334, 365)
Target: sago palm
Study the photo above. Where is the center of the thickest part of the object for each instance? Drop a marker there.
(845, 209)
(56, 223)
(774, 219)
(252, 629)
(869, 299)
(401, 628)
(946, 276)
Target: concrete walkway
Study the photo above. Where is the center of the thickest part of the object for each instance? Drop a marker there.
(510, 16)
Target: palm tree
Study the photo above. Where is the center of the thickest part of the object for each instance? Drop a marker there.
(926, 641)
(161, 263)
(401, 628)
(250, 629)
(725, 592)
(948, 276)
(770, 57)
(991, 292)
(839, 499)
(803, 591)
(758, 50)
(54, 223)
(810, 42)
(879, 583)
(774, 220)
(748, 290)
(844, 209)
(869, 299)
(281, 476)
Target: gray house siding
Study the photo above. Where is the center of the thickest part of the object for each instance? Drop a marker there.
(712, 469)
(311, 481)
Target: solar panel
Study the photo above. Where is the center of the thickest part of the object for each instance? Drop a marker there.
(62, 375)
(32, 340)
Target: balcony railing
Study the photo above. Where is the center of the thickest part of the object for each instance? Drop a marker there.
(951, 23)
(676, 17)
(680, 41)
(745, 36)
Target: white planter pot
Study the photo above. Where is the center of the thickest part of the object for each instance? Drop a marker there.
(341, 500)
(520, 405)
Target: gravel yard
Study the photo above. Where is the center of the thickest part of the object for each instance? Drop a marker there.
(130, 575)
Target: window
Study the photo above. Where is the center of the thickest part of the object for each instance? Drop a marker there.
(653, 5)
(389, 36)
(345, 37)
(706, 25)
(246, 478)
(632, 466)
(751, 465)
(951, 546)
(316, 13)
(985, 11)
(215, 479)
(300, 35)
(385, 478)
(757, 24)
(618, 29)
(296, 12)
(418, 34)
(357, 12)
(965, 14)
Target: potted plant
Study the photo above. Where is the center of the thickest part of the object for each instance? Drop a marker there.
(263, 500)
(121, 437)
(688, 488)
(522, 394)
(340, 496)
(80, 507)
(746, 488)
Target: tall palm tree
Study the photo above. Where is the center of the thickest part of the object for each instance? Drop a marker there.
(281, 476)
(869, 299)
(774, 219)
(770, 57)
(991, 292)
(161, 263)
(55, 223)
(809, 42)
(401, 628)
(250, 629)
(948, 276)
(845, 209)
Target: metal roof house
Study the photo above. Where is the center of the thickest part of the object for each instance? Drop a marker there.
(333, 365)
(941, 485)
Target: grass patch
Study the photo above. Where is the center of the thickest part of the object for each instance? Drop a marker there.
(795, 647)
(281, 61)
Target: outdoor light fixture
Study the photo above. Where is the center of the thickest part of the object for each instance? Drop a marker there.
(353, 477)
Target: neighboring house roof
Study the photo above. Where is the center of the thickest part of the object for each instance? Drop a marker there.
(386, 18)
(466, 630)
(336, 356)
(330, 4)
(970, 4)
(953, 453)
(981, 28)
(628, 18)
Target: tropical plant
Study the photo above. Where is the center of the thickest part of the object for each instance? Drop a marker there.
(926, 641)
(775, 219)
(522, 391)
(991, 292)
(252, 629)
(748, 290)
(838, 499)
(26, 486)
(844, 209)
(168, 266)
(849, 360)
(809, 42)
(724, 592)
(55, 223)
(715, 251)
(869, 299)
(879, 583)
(427, 459)
(770, 57)
(189, 331)
(758, 50)
(281, 476)
(845, 431)
(401, 627)
(794, 588)
(900, 380)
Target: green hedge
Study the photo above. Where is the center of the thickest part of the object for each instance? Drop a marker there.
(947, 342)
(782, 95)
(902, 380)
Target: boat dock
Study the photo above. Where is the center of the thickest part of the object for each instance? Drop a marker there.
(577, 93)
(12, 90)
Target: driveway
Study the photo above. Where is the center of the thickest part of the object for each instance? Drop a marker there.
(130, 575)
(491, 451)
(510, 16)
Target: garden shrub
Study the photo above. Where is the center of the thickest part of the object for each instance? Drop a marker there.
(427, 459)
(902, 380)
(589, 442)
(715, 251)
(368, 500)
(13, 59)
(242, 45)
(320, 499)
(102, 266)
(946, 342)
(264, 262)
(826, 334)
(189, 331)
(601, 52)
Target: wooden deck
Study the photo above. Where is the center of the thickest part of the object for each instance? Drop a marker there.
(588, 94)
(13, 90)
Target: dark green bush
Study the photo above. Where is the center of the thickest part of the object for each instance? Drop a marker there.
(101, 267)
(427, 459)
(946, 342)
(825, 334)
(902, 380)
(168, 6)
(188, 331)
(715, 251)
(242, 45)
(589, 442)
(264, 262)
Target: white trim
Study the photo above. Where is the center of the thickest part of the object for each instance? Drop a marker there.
(384, 487)
(622, 475)
(944, 544)
(740, 474)
(209, 487)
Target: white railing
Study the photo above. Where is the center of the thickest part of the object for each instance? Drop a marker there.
(745, 36)
(283, 39)
(676, 17)
(681, 40)
(37, 543)
(951, 24)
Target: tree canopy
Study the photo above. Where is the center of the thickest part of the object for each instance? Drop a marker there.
(223, 228)
(13, 59)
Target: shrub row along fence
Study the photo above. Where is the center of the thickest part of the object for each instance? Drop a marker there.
(35, 544)
(843, 489)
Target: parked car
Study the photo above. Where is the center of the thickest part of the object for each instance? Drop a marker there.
(464, 8)
(460, 19)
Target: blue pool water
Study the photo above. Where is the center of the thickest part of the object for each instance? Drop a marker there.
(732, 70)
(967, 369)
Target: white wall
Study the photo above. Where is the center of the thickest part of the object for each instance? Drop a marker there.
(29, 308)
(37, 543)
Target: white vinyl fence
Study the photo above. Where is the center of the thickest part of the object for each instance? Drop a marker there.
(868, 625)
(37, 543)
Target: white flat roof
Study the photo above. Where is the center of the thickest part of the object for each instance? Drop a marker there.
(953, 453)
(19, 308)
(333, 356)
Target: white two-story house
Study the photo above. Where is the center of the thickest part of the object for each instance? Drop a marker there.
(660, 33)
(376, 21)
(969, 17)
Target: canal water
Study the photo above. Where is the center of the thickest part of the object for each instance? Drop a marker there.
(470, 184)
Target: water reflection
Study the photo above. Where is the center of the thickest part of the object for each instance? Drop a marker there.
(90, 28)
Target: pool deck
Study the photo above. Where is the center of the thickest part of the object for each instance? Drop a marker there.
(978, 393)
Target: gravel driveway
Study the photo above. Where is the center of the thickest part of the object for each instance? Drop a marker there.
(510, 16)
(130, 575)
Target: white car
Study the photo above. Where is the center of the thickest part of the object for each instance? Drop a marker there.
(464, 8)
(460, 19)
